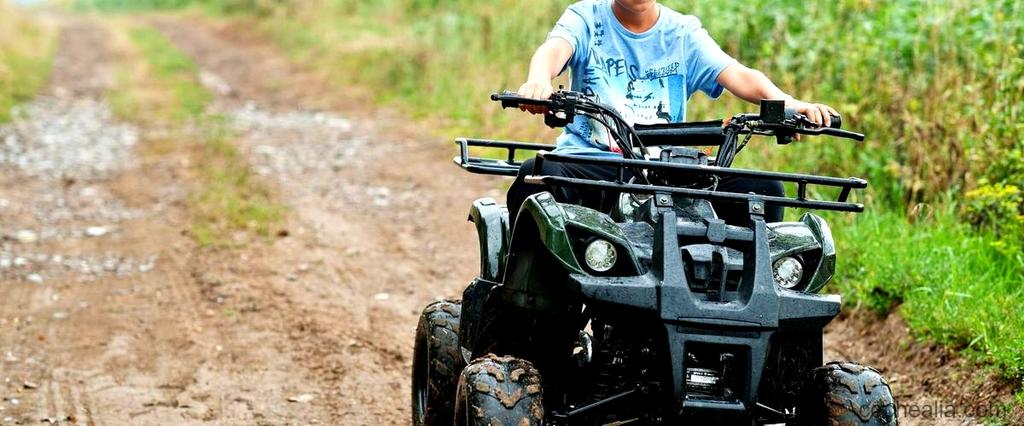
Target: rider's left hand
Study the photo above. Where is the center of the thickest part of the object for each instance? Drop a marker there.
(819, 114)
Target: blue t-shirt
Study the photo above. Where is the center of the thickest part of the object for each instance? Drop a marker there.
(646, 77)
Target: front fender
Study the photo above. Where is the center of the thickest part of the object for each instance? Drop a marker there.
(542, 252)
(491, 220)
(827, 265)
(812, 237)
(542, 220)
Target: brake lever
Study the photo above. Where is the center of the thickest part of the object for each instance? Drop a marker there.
(554, 120)
(859, 137)
(785, 132)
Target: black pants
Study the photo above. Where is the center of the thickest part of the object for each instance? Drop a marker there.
(731, 212)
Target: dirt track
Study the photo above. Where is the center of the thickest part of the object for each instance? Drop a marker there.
(314, 327)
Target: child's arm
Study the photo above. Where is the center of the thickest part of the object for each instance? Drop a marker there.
(752, 86)
(547, 63)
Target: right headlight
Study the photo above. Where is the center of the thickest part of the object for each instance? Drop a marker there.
(600, 255)
(788, 272)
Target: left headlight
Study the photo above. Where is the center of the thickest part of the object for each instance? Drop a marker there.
(788, 272)
(600, 255)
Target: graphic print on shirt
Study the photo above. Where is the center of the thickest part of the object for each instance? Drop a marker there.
(598, 34)
(653, 100)
(651, 96)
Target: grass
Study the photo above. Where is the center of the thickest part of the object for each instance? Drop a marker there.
(177, 73)
(229, 205)
(951, 284)
(26, 55)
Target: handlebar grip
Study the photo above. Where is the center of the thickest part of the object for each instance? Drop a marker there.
(837, 121)
(512, 100)
(507, 100)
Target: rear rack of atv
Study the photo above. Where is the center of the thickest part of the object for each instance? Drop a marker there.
(846, 185)
(508, 166)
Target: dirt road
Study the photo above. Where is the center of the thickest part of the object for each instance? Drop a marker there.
(110, 314)
(313, 328)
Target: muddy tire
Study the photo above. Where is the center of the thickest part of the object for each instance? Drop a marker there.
(437, 362)
(497, 390)
(847, 394)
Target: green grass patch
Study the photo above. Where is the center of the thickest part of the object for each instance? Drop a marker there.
(177, 72)
(231, 199)
(953, 285)
(26, 56)
(229, 204)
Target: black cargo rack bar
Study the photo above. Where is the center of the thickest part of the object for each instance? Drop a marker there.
(800, 201)
(695, 193)
(490, 166)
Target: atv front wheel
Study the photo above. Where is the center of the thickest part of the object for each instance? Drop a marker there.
(847, 394)
(497, 390)
(437, 361)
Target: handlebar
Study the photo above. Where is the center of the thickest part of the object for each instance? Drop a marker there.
(773, 120)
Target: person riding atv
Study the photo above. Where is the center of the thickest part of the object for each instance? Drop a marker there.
(645, 60)
(645, 281)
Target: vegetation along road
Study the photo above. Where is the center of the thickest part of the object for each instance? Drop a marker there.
(231, 212)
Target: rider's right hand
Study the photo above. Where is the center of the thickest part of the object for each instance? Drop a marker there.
(536, 90)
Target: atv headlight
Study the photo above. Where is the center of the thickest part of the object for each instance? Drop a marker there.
(600, 255)
(788, 272)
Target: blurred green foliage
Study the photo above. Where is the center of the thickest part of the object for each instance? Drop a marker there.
(26, 53)
(257, 7)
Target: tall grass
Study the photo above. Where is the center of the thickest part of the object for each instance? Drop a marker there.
(26, 50)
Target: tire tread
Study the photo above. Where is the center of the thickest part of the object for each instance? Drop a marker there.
(439, 325)
(501, 390)
(848, 394)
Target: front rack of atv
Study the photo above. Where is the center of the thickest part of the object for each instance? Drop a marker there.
(508, 166)
(846, 185)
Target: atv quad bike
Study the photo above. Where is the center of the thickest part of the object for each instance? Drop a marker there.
(657, 312)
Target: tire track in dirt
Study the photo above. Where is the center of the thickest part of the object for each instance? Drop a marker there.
(31, 308)
(377, 227)
(118, 340)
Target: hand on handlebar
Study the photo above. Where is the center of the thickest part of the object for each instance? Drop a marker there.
(819, 114)
(535, 90)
